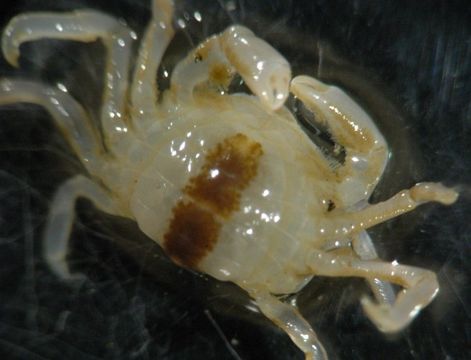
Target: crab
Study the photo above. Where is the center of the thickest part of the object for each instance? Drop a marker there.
(227, 183)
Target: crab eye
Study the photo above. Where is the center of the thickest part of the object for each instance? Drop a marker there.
(198, 58)
(330, 205)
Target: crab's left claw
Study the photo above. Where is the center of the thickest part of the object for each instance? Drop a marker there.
(265, 70)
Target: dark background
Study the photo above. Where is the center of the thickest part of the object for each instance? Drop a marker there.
(407, 62)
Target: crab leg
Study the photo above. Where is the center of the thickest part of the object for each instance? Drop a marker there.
(61, 217)
(69, 116)
(364, 249)
(144, 90)
(265, 71)
(420, 286)
(83, 26)
(365, 160)
(346, 224)
(351, 127)
(288, 318)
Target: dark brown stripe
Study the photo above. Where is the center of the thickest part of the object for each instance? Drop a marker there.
(191, 235)
(227, 171)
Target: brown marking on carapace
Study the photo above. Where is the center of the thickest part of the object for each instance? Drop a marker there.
(227, 171)
(220, 74)
(192, 233)
(215, 191)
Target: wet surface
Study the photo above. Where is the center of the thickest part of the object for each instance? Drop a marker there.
(409, 65)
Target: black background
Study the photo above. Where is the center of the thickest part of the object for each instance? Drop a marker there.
(407, 62)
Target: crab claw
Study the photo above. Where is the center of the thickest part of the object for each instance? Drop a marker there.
(265, 70)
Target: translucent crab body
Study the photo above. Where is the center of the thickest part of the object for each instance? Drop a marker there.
(227, 183)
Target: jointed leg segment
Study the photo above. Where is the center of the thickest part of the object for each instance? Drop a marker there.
(144, 91)
(364, 248)
(61, 217)
(83, 26)
(420, 286)
(288, 318)
(361, 246)
(69, 116)
(345, 224)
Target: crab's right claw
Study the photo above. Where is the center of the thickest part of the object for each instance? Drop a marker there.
(266, 72)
